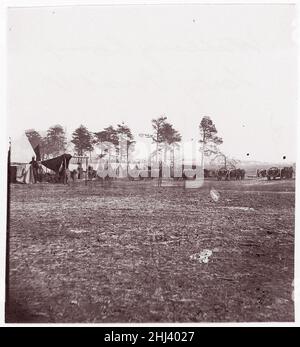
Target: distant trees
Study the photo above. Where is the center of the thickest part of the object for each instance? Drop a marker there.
(37, 142)
(208, 138)
(170, 134)
(82, 140)
(125, 132)
(55, 141)
(164, 133)
(108, 134)
(172, 138)
(125, 139)
(224, 160)
(117, 140)
(53, 144)
(158, 126)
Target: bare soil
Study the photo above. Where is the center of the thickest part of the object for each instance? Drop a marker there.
(121, 253)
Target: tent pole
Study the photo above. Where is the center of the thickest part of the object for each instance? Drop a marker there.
(7, 255)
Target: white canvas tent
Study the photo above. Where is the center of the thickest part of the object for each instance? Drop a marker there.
(20, 156)
(21, 150)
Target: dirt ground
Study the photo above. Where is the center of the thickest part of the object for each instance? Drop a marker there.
(121, 253)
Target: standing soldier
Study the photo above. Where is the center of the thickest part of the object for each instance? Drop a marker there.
(34, 169)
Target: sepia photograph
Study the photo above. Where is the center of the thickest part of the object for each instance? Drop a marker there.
(151, 159)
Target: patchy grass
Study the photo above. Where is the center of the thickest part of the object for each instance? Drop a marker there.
(122, 253)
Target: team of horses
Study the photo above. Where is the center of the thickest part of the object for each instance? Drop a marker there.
(275, 172)
(230, 174)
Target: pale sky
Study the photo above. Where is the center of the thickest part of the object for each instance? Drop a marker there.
(101, 65)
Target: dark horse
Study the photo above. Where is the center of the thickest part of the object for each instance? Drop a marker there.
(223, 173)
(287, 172)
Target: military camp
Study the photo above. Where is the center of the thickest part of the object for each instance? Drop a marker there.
(151, 164)
(90, 234)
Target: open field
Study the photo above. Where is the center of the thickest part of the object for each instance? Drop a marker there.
(121, 253)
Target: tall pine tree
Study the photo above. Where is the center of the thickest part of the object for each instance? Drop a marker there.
(55, 141)
(208, 138)
(82, 140)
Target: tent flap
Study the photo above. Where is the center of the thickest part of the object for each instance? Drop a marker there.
(55, 163)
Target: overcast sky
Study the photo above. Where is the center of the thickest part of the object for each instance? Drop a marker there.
(102, 65)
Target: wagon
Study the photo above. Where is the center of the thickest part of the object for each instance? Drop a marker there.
(273, 173)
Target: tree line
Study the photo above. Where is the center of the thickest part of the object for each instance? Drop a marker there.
(55, 142)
